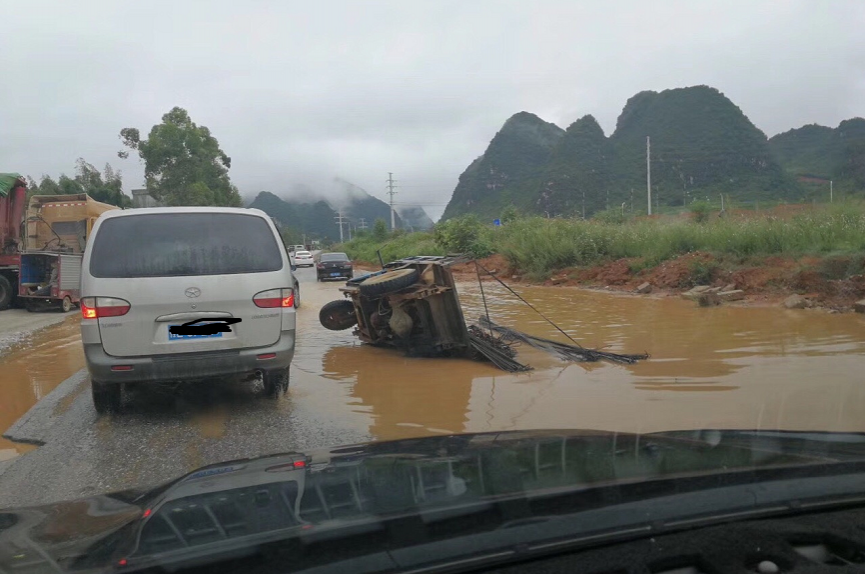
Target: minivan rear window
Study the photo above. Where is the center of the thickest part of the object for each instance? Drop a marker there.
(178, 244)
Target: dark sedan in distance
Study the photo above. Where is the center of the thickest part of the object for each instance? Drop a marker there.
(333, 266)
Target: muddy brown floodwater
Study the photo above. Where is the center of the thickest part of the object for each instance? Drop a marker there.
(721, 367)
(31, 369)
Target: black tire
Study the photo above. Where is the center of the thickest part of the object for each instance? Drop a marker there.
(33, 306)
(338, 315)
(66, 304)
(275, 382)
(388, 282)
(297, 295)
(5, 293)
(106, 397)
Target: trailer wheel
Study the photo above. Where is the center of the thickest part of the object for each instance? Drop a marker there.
(5, 292)
(338, 315)
(66, 304)
(388, 282)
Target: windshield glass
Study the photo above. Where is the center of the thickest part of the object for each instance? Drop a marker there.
(184, 244)
(460, 267)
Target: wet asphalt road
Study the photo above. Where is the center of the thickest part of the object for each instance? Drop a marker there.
(163, 432)
(18, 324)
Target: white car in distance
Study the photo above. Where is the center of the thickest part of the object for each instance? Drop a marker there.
(303, 259)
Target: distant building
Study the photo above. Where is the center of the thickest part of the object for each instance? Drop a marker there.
(140, 198)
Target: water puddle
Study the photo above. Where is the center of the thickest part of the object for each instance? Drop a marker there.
(33, 368)
(727, 367)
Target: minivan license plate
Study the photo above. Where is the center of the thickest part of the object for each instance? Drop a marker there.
(335, 274)
(176, 337)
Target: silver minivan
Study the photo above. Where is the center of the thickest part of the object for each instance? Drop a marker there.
(185, 293)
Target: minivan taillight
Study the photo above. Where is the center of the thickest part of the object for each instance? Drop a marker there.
(97, 307)
(274, 298)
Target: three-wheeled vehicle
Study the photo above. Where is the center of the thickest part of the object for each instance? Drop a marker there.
(411, 304)
(57, 228)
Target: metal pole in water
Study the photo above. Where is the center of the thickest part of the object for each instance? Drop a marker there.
(483, 296)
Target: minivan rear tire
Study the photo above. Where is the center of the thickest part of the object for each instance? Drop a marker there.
(106, 397)
(275, 382)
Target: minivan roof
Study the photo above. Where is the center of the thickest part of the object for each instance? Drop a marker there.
(158, 210)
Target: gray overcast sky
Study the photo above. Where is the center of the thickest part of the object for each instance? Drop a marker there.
(300, 92)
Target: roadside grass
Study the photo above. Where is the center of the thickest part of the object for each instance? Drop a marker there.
(539, 246)
(395, 246)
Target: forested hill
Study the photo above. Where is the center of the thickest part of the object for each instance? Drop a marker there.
(817, 154)
(702, 144)
(316, 219)
(510, 169)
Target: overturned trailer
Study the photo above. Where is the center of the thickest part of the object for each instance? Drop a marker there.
(412, 304)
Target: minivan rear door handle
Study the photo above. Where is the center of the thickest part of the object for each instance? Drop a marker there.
(192, 316)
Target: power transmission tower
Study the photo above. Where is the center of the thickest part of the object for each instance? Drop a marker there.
(391, 192)
(362, 224)
(649, 172)
(340, 219)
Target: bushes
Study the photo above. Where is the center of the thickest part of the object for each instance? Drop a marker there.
(700, 210)
(700, 273)
(464, 234)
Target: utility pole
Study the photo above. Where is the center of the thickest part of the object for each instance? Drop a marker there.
(340, 219)
(649, 172)
(391, 192)
(584, 204)
(831, 192)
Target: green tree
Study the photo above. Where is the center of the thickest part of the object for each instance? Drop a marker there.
(183, 163)
(701, 211)
(47, 186)
(106, 186)
(379, 230)
(290, 235)
(464, 234)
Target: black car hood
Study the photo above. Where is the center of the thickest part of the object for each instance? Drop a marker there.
(301, 495)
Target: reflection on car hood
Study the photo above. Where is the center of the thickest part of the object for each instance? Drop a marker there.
(246, 503)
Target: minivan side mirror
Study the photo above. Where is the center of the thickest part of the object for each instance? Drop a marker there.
(293, 267)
